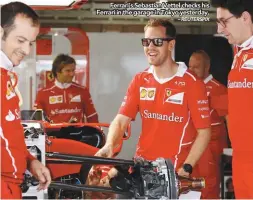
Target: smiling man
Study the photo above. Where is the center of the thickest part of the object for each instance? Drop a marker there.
(65, 100)
(19, 29)
(171, 110)
(234, 19)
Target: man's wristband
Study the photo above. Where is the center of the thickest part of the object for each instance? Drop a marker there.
(187, 168)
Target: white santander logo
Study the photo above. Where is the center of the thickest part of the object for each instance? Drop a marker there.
(172, 117)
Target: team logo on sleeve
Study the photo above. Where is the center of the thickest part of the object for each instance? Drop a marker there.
(55, 99)
(10, 91)
(50, 76)
(147, 93)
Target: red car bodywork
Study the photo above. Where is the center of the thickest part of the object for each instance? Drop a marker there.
(69, 146)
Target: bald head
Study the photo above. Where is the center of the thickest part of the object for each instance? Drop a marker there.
(199, 63)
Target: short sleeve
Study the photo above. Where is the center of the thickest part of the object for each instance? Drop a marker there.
(38, 104)
(219, 101)
(130, 104)
(198, 105)
(89, 108)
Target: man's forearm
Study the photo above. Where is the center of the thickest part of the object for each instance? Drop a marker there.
(199, 146)
(115, 134)
(29, 159)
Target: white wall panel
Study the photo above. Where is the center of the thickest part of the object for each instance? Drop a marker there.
(114, 60)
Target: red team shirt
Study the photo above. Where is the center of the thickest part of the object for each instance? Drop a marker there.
(61, 102)
(240, 95)
(14, 154)
(171, 111)
(210, 159)
(214, 88)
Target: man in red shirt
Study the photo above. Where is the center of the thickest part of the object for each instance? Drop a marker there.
(234, 19)
(65, 100)
(19, 29)
(171, 110)
(199, 63)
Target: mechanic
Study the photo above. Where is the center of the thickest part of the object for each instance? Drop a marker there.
(199, 63)
(234, 19)
(65, 100)
(171, 101)
(19, 29)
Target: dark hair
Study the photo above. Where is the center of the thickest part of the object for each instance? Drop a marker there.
(170, 28)
(60, 62)
(236, 7)
(11, 10)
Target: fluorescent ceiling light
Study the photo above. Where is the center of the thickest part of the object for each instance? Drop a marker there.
(42, 2)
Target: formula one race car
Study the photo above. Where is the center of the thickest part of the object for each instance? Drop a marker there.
(137, 179)
(69, 155)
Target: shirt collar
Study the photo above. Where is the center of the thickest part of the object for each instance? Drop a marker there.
(180, 72)
(5, 62)
(209, 78)
(247, 43)
(62, 85)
